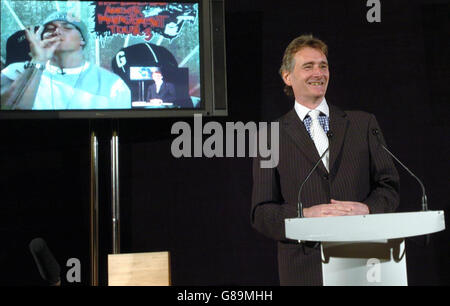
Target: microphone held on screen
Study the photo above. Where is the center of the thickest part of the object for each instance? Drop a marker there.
(376, 132)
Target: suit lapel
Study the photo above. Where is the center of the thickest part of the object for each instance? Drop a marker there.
(296, 130)
(338, 126)
(163, 88)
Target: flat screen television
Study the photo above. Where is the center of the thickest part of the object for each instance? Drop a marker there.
(138, 59)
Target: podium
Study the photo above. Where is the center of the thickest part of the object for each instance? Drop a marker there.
(365, 250)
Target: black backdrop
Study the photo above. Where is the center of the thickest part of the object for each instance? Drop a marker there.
(198, 208)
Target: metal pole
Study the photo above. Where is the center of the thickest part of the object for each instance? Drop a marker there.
(94, 210)
(115, 192)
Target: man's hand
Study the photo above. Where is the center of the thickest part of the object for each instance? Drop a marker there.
(41, 50)
(156, 102)
(356, 208)
(336, 208)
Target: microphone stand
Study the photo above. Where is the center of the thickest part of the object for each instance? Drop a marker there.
(424, 196)
(299, 203)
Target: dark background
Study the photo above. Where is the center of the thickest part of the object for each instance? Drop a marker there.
(198, 208)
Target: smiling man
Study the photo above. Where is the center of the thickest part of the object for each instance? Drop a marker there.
(58, 76)
(160, 91)
(354, 177)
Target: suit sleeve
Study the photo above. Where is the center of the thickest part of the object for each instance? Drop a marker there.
(268, 206)
(171, 95)
(385, 184)
(149, 93)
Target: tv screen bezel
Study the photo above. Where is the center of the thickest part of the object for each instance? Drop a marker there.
(208, 83)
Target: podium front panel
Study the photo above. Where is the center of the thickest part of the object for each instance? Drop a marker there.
(368, 263)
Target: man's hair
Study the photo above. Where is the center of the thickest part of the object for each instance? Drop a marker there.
(288, 62)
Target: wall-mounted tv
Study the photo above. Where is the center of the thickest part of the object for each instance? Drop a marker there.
(112, 59)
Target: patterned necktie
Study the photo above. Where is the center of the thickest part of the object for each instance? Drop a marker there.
(319, 137)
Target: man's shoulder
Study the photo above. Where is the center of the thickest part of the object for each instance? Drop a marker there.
(334, 111)
(104, 72)
(349, 114)
(358, 115)
(107, 76)
(286, 117)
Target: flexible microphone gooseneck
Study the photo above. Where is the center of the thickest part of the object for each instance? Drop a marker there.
(299, 202)
(424, 196)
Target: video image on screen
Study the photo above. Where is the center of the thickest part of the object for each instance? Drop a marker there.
(85, 55)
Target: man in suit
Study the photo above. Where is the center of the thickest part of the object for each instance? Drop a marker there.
(160, 91)
(355, 176)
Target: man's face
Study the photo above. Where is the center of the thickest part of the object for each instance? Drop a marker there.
(69, 35)
(157, 76)
(309, 78)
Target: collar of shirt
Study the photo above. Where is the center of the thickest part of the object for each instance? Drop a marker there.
(56, 70)
(302, 111)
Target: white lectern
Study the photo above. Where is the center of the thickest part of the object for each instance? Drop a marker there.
(365, 250)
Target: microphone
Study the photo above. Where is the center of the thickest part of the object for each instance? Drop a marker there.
(376, 132)
(45, 261)
(299, 202)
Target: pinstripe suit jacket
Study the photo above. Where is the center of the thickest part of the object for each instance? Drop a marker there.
(359, 171)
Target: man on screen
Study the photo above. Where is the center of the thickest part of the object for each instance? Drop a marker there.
(355, 177)
(58, 76)
(160, 91)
